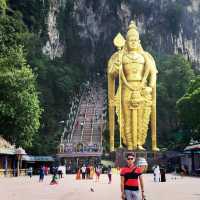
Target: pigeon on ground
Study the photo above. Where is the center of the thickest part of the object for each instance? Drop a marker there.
(91, 189)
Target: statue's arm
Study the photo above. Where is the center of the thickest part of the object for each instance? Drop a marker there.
(151, 68)
(152, 84)
(113, 65)
(146, 69)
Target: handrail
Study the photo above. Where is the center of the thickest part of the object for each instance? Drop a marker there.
(72, 132)
(84, 122)
(101, 129)
(92, 125)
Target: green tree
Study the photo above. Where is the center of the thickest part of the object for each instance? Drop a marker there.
(34, 14)
(3, 5)
(13, 33)
(188, 110)
(19, 105)
(174, 76)
(58, 83)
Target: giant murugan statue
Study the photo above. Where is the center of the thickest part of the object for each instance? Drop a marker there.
(134, 101)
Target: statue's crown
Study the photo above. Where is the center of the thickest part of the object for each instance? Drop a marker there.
(132, 30)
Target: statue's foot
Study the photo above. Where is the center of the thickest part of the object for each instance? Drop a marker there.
(130, 147)
(112, 149)
(140, 147)
(156, 149)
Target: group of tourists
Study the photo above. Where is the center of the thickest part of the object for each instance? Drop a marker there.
(88, 172)
(132, 185)
(131, 176)
(159, 174)
(43, 170)
(57, 172)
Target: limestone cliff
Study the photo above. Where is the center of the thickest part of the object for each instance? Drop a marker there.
(82, 30)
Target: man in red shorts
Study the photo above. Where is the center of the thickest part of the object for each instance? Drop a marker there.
(131, 177)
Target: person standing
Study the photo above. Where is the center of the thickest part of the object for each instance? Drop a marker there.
(83, 171)
(131, 177)
(156, 173)
(162, 174)
(91, 121)
(60, 171)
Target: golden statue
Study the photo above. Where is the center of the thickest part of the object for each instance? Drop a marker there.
(135, 98)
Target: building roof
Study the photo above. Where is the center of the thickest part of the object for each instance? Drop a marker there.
(107, 163)
(192, 147)
(6, 147)
(38, 158)
(4, 143)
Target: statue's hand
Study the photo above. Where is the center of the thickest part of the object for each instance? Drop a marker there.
(146, 92)
(142, 86)
(117, 63)
(148, 89)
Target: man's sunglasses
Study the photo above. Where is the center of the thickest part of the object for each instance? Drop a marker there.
(130, 158)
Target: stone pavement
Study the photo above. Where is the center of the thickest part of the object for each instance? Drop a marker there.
(24, 188)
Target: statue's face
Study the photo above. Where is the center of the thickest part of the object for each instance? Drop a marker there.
(133, 42)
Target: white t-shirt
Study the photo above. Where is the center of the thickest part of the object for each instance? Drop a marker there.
(83, 169)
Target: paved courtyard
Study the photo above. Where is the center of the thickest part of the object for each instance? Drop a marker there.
(24, 188)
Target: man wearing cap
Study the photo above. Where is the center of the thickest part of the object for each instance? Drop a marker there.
(131, 176)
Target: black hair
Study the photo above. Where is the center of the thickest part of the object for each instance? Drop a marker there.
(130, 154)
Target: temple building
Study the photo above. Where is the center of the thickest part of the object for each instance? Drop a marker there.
(8, 159)
(191, 159)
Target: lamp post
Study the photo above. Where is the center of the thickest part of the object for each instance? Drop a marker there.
(19, 152)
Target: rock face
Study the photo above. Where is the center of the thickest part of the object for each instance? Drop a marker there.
(53, 47)
(83, 30)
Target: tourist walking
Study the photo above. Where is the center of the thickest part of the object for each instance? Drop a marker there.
(41, 174)
(82, 126)
(77, 124)
(30, 172)
(183, 171)
(46, 170)
(98, 173)
(91, 172)
(109, 174)
(88, 172)
(131, 177)
(78, 174)
(54, 180)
